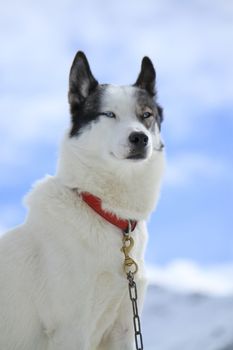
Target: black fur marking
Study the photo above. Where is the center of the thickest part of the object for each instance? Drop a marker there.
(81, 79)
(145, 101)
(159, 117)
(147, 76)
(85, 94)
(87, 111)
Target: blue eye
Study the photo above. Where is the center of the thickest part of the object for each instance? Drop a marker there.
(110, 114)
(146, 115)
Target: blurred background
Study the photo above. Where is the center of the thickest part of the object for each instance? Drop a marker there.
(190, 251)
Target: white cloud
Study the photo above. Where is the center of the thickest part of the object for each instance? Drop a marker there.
(2, 230)
(187, 276)
(185, 168)
(40, 119)
(190, 45)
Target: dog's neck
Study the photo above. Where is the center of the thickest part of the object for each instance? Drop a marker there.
(130, 192)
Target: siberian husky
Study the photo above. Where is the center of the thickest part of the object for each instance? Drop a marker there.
(62, 284)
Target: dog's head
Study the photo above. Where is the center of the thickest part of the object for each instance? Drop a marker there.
(114, 123)
(113, 149)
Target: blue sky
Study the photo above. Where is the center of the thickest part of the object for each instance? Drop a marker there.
(191, 45)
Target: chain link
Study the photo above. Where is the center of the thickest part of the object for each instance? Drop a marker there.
(131, 268)
(136, 319)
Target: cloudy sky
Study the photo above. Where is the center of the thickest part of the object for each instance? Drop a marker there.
(191, 45)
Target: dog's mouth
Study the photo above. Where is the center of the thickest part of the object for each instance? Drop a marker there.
(136, 156)
(138, 153)
(132, 156)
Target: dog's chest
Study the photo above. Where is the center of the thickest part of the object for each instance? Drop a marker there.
(89, 308)
(107, 298)
(86, 290)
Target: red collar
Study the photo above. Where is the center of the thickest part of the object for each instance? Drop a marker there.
(95, 203)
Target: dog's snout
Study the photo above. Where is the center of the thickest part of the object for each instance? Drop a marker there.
(138, 139)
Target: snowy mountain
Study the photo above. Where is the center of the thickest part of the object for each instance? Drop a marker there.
(197, 318)
(187, 321)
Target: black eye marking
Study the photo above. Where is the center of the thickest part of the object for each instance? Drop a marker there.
(109, 114)
(159, 116)
(160, 113)
(147, 115)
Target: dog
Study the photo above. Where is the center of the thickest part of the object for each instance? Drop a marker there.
(62, 282)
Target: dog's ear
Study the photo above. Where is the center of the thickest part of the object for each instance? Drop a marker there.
(147, 76)
(81, 79)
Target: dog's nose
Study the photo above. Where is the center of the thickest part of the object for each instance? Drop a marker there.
(138, 139)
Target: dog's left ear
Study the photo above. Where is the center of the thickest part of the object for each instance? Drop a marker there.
(147, 76)
(81, 80)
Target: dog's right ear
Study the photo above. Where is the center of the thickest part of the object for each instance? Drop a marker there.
(81, 79)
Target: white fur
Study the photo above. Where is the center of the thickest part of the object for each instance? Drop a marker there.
(61, 276)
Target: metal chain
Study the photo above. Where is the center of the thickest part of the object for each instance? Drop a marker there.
(136, 319)
(131, 268)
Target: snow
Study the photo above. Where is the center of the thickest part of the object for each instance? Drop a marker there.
(187, 321)
(189, 307)
(185, 275)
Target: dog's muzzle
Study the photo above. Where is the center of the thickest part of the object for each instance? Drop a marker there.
(138, 145)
